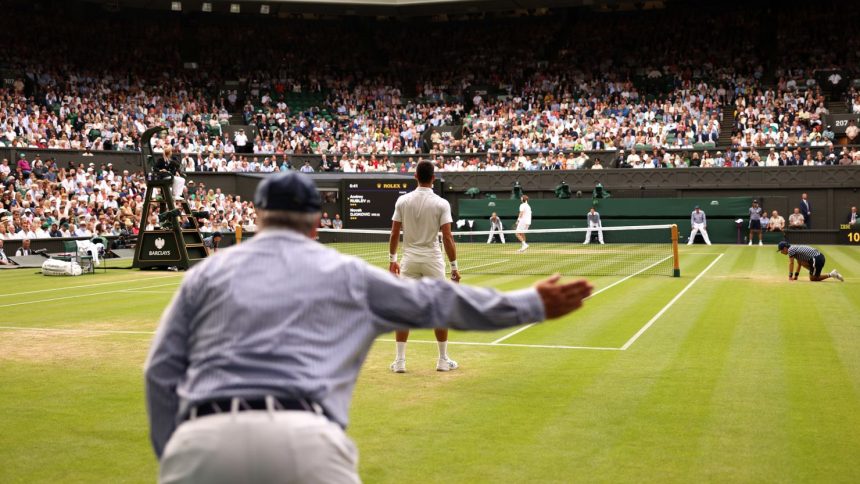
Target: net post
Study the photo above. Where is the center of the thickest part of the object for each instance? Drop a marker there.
(238, 234)
(676, 272)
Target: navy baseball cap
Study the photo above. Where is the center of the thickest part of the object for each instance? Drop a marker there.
(290, 191)
(782, 245)
(696, 206)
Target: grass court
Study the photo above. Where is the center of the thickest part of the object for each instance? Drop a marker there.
(730, 373)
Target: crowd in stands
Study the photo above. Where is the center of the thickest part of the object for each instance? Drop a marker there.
(89, 200)
(572, 160)
(524, 93)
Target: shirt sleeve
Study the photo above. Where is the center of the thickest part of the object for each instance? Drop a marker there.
(446, 218)
(165, 368)
(397, 217)
(397, 303)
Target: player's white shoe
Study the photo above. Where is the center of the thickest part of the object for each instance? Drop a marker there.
(750, 242)
(836, 275)
(760, 243)
(399, 366)
(523, 248)
(446, 364)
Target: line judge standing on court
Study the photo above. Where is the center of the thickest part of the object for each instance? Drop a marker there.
(496, 228)
(594, 223)
(698, 223)
(251, 371)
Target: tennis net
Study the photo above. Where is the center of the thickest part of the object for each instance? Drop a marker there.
(638, 249)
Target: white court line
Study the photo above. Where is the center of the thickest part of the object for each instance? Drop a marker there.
(147, 292)
(669, 305)
(484, 265)
(513, 345)
(82, 295)
(71, 330)
(520, 330)
(140, 279)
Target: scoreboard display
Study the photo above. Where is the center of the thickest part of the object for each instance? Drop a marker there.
(850, 234)
(369, 204)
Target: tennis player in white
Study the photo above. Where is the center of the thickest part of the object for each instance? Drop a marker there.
(421, 214)
(523, 221)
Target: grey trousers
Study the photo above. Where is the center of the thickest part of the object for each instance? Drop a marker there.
(262, 446)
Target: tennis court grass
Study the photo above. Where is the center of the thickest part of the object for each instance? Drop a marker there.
(744, 377)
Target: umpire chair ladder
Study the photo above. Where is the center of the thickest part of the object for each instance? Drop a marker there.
(176, 241)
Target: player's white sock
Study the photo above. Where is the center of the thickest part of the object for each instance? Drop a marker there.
(443, 349)
(401, 350)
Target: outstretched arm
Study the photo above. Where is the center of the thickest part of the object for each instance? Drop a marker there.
(433, 303)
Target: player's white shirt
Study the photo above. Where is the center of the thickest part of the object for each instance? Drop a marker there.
(526, 214)
(422, 212)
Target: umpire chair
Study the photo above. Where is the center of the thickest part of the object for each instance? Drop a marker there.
(176, 241)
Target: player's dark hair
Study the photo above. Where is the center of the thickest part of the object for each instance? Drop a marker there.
(424, 172)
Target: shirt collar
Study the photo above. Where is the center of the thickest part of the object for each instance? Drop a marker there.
(283, 233)
(424, 189)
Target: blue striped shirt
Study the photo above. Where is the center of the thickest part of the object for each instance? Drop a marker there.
(286, 316)
(755, 213)
(803, 253)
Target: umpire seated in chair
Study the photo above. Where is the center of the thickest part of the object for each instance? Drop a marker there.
(168, 167)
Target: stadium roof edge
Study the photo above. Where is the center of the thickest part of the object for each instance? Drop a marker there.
(380, 7)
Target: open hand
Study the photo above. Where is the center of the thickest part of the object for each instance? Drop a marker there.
(562, 298)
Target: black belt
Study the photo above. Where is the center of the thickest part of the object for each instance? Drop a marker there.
(225, 405)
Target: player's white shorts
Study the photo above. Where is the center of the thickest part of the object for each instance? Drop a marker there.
(416, 269)
(521, 227)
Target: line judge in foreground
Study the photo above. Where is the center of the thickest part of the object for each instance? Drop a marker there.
(252, 369)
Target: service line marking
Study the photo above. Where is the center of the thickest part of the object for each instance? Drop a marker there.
(520, 330)
(84, 295)
(514, 345)
(669, 305)
(484, 265)
(139, 279)
(73, 330)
